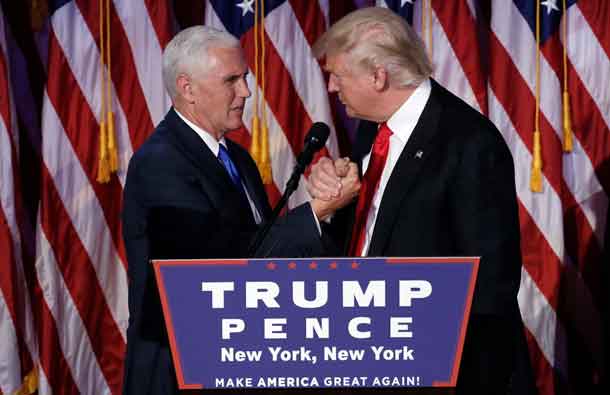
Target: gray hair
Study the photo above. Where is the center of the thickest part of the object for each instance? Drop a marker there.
(374, 37)
(188, 53)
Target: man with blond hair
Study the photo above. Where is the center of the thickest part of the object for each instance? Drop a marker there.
(438, 180)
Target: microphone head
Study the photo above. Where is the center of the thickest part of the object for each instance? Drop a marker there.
(317, 136)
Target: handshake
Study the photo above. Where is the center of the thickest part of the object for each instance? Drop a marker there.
(332, 185)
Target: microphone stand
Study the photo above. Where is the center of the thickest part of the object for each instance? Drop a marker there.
(291, 186)
(315, 139)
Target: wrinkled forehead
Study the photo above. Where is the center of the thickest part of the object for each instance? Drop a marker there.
(336, 63)
(227, 61)
(343, 64)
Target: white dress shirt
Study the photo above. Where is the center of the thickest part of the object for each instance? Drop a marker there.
(214, 146)
(401, 123)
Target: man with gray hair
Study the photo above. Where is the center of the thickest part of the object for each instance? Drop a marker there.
(438, 180)
(191, 193)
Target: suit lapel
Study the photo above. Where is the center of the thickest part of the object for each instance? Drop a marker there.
(214, 179)
(418, 149)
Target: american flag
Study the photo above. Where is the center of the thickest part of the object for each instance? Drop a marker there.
(562, 291)
(79, 282)
(18, 349)
(79, 286)
(491, 64)
(65, 313)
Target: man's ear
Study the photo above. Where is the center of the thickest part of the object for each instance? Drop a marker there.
(184, 88)
(380, 79)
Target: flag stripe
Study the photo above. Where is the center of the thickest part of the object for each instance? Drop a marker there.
(108, 195)
(552, 50)
(159, 14)
(12, 350)
(144, 42)
(597, 14)
(579, 224)
(588, 125)
(311, 20)
(325, 9)
(459, 26)
(124, 74)
(584, 250)
(522, 117)
(556, 182)
(84, 213)
(5, 99)
(17, 348)
(81, 260)
(304, 71)
(521, 50)
(539, 261)
(52, 359)
(541, 243)
(546, 229)
(583, 50)
(10, 361)
(545, 381)
(82, 298)
(541, 321)
(570, 212)
(448, 70)
(86, 73)
(72, 296)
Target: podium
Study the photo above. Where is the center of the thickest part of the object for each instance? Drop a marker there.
(353, 323)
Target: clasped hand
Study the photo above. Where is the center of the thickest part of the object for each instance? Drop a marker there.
(332, 185)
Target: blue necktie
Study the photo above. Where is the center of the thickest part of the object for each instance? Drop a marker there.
(225, 159)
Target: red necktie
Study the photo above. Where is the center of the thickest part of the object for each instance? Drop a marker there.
(370, 182)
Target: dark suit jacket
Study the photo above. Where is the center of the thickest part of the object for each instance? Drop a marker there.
(179, 202)
(452, 193)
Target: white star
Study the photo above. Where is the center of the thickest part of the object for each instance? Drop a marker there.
(403, 2)
(246, 6)
(550, 5)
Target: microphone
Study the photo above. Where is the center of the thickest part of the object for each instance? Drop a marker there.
(314, 141)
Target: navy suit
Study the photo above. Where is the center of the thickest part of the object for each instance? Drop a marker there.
(179, 202)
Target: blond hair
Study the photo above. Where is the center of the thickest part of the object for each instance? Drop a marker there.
(377, 37)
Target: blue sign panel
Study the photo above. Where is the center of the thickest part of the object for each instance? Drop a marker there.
(349, 322)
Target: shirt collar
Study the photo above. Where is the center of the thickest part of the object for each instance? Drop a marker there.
(211, 142)
(403, 121)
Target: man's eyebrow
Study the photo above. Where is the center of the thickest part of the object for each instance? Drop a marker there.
(234, 77)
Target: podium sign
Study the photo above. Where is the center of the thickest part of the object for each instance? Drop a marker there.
(303, 323)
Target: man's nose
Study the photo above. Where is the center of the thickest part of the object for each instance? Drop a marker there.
(332, 85)
(242, 88)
